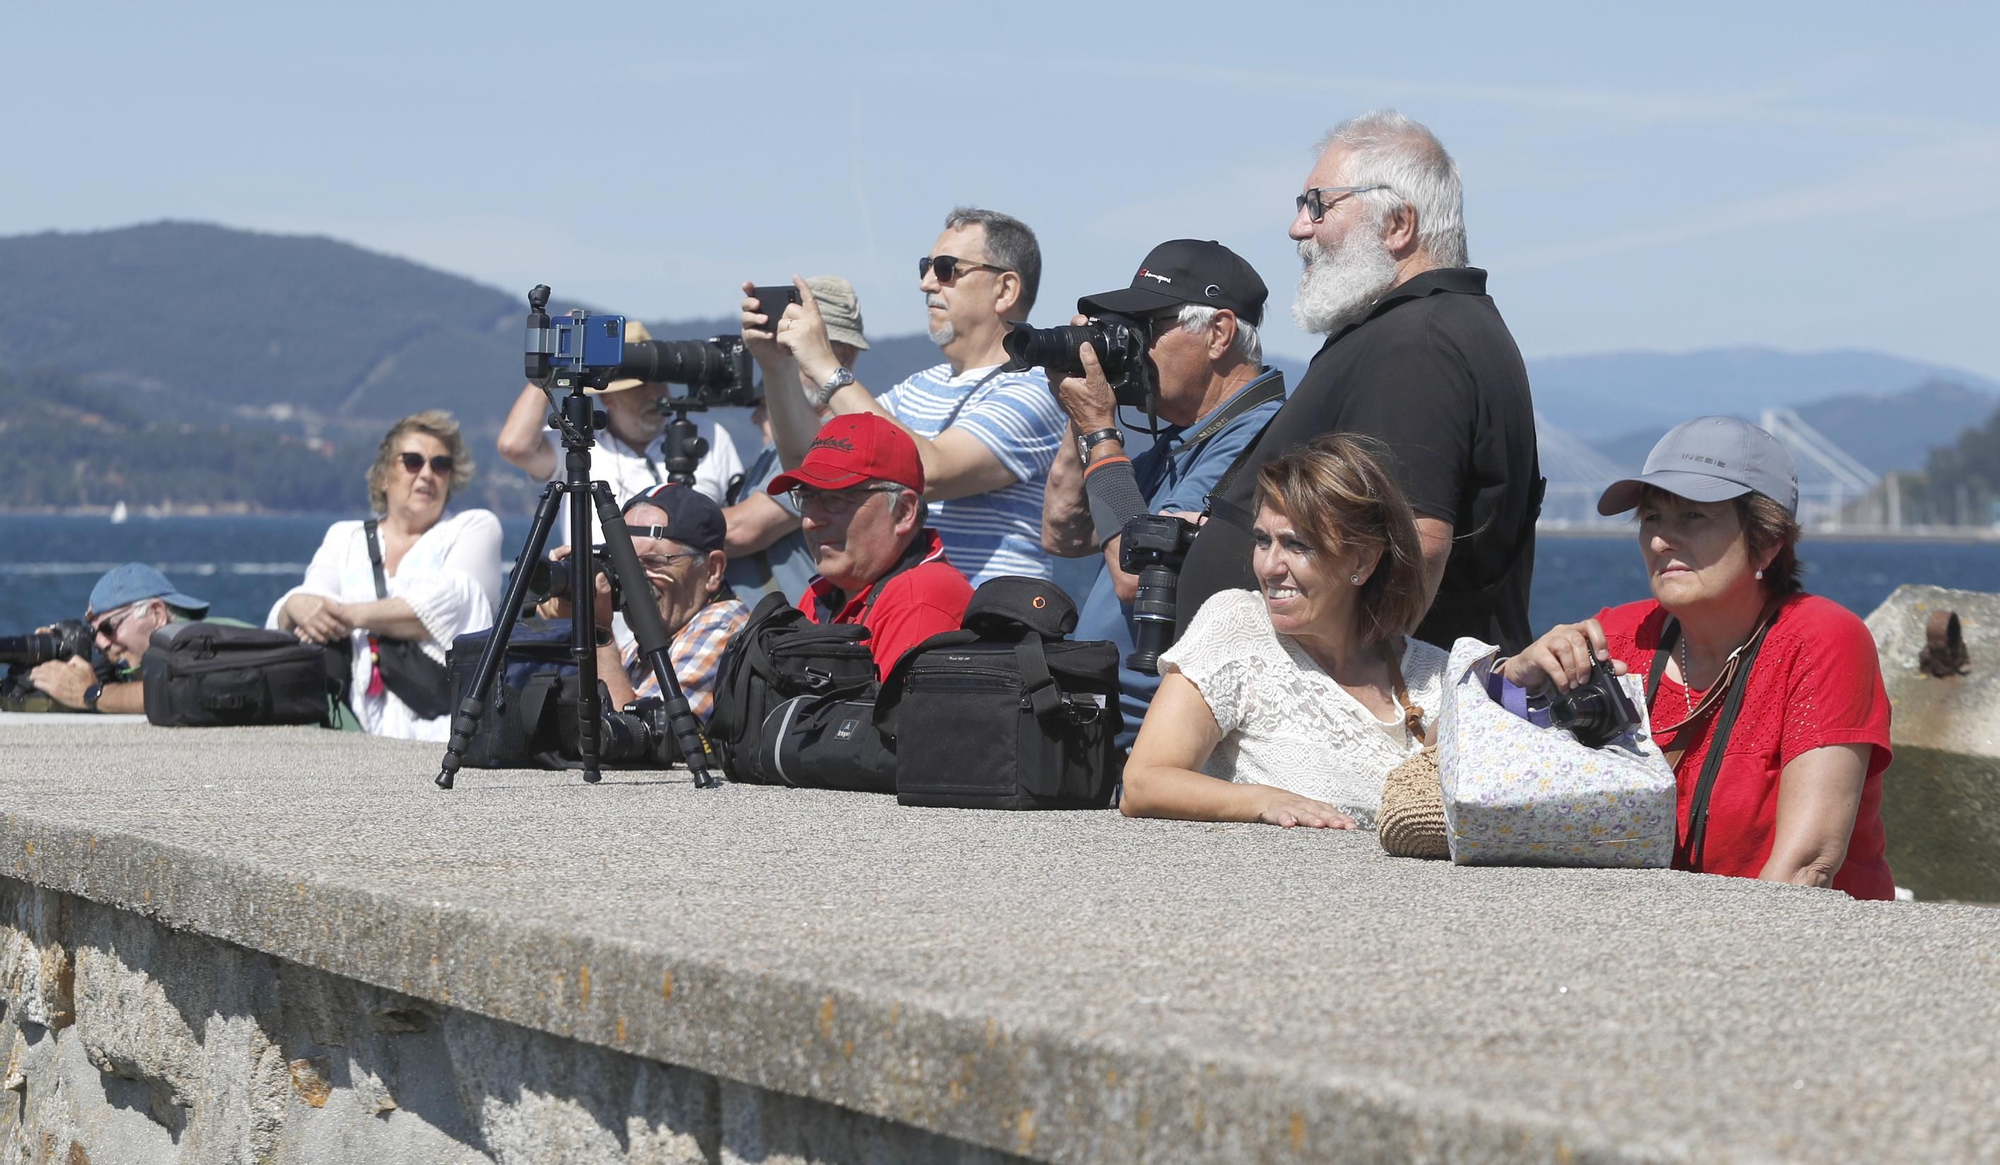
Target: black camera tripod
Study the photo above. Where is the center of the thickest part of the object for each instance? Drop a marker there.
(577, 419)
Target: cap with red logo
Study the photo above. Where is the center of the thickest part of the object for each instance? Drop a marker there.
(1185, 271)
(854, 448)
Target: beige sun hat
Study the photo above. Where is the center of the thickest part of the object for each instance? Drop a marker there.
(634, 332)
(840, 307)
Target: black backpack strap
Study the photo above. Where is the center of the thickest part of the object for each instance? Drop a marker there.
(375, 558)
(1036, 682)
(1661, 654)
(1711, 766)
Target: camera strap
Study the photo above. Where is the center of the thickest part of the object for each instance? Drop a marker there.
(375, 558)
(1688, 853)
(951, 417)
(1272, 388)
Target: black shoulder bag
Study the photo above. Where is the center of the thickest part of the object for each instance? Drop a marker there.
(420, 682)
(1688, 853)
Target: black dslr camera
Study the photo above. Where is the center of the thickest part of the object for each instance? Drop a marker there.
(1153, 546)
(1120, 342)
(548, 579)
(718, 371)
(1596, 711)
(66, 640)
(639, 734)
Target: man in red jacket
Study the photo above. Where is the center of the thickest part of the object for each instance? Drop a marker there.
(860, 496)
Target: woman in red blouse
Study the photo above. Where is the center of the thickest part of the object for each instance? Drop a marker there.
(1796, 795)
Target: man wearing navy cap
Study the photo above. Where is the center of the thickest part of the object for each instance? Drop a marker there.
(127, 605)
(1201, 305)
(678, 534)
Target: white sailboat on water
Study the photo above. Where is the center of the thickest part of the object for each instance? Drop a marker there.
(118, 513)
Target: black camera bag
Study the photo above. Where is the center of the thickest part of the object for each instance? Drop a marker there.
(207, 675)
(1006, 713)
(522, 725)
(778, 657)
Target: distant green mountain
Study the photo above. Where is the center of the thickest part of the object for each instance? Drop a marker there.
(318, 340)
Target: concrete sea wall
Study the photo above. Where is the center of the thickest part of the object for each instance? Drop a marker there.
(278, 945)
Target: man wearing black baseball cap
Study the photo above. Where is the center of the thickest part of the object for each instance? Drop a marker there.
(678, 534)
(1201, 305)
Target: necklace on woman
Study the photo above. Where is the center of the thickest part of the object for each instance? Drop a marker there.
(1687, 680)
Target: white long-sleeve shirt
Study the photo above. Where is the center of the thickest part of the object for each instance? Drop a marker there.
(451, 580)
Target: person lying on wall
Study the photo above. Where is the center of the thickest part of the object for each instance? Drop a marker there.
(127, 605)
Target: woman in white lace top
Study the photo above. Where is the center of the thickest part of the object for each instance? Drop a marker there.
(1303, 695)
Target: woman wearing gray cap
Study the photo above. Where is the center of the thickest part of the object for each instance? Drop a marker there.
(1768, 701)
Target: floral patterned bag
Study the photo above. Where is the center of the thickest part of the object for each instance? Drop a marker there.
(1519, 793)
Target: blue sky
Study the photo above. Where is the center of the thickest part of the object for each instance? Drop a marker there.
(1807, 176)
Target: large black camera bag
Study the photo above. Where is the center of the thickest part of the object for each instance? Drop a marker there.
(207, 675)
(1006, 713)
(521, 727)
(779, 656)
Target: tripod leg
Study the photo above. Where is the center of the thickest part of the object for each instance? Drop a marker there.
(654, 642)
(583, 624)
(473, 706)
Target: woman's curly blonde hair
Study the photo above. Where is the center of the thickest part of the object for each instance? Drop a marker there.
(433, 423)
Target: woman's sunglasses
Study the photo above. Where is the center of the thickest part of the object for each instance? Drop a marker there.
(950, 267)
(440, 465)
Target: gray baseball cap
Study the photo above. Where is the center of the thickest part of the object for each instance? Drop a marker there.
(1712, 459)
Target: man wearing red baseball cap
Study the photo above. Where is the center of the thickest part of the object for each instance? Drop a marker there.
(860, 496)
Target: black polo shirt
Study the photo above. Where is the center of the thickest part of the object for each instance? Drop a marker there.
(1432, 373)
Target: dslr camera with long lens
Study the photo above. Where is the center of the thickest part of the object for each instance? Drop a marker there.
(550, 580)
(1596, 711)
(1153, 546)
(1119, 342)
(718, 371)
(66, 640)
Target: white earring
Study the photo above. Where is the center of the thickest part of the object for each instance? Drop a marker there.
(1356, 579)
(1760, 574)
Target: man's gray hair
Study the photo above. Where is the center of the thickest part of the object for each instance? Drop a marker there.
(1387, 149)
(1009, 244)
(896, 489)
(1196, 318)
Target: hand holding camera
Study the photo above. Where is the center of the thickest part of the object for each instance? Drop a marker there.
(1571, 671)
(1088, 399)
(553, 585)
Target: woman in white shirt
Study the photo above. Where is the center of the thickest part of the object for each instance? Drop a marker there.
(1303, 695)
(441, 571)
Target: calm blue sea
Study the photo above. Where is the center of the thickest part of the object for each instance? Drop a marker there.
(242, 565)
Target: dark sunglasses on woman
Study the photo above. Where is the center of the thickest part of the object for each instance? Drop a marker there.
(440, 465)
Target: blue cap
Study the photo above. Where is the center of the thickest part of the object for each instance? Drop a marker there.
(135, 581)
(693, 518)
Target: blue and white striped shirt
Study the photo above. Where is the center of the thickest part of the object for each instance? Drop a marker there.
(1016, 416)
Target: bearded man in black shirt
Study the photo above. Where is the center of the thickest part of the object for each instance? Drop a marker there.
(1416, 357)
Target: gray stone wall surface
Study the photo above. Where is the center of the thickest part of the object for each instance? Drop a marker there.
(1065, 987)
(1941, 794)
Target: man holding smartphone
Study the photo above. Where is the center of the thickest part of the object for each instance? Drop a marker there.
(767, 551)
(986, 437)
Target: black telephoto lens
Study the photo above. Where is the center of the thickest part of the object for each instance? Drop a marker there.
(697, 363)
(1053, 349)
(66, 640)
(1152, 618)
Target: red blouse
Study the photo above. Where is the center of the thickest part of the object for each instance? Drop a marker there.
(1816, 683)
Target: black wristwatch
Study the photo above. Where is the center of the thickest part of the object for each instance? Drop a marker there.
(1085, 442)
(91, 695)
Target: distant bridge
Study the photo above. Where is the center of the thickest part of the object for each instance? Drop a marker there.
(1830, 479)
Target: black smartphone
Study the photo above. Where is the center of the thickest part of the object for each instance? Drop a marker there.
(771, 301)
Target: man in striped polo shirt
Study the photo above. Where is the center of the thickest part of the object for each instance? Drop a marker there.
(986, 437)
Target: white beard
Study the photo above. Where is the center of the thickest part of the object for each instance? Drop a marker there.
(943, 333)
(1337, 288)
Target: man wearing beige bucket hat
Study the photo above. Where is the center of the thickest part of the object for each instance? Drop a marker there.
(767, 550)
(630, 452)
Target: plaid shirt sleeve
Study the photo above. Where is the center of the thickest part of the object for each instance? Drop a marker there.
(697, 654)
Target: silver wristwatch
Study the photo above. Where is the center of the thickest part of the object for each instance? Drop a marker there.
(840, 379)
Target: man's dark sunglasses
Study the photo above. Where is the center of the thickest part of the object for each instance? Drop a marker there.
(108, 626)
(440, 465)
(949, 267)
